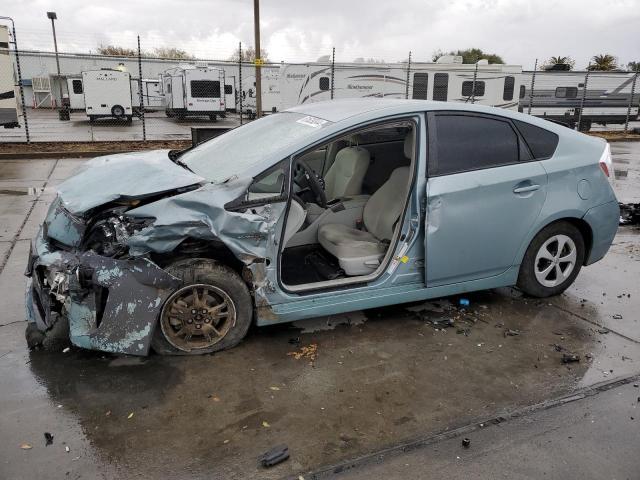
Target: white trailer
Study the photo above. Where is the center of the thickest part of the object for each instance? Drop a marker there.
(191, 90)
(8, 100)
(152, 97)
(557, 96)
(107, 94)
(270, 81)
(496, 84)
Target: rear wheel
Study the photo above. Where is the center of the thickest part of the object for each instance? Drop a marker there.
(552, 261)
(117, 111)
(213, 118)
(211, 311)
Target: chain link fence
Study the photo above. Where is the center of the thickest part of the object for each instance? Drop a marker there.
(138, 96)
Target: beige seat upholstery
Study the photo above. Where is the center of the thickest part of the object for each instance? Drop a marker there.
(345, 175)
(360, 252)
(295, 220)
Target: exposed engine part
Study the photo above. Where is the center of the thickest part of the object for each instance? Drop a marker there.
(108, 236)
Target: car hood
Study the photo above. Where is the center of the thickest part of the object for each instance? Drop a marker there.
(123, 176)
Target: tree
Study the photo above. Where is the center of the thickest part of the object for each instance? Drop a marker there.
(633, 66)
(559, 61)
(368, 60)
(116, 51)
(249, 55)
(470, 55)
(171, 52)
(603, 62)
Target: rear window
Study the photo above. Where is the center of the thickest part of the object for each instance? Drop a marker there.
(467, 88)
(509, 85)
(541, 142)
(465, 142)
(205, 89)
(440, 87)
(420, 85)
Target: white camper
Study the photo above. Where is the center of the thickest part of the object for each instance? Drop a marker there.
(446, 80)
(270, 80)
(107, 94)
(8, 101)
(152, 97)
(557, 96)
(191, 90)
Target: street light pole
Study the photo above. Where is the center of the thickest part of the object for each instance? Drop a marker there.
(52, 16)
(258, 60)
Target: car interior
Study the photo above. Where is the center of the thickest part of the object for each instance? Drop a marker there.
(347, 202)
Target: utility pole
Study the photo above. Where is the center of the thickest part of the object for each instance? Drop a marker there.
(52, 16)
(258, 60)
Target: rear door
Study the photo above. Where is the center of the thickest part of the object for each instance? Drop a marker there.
(484, 194)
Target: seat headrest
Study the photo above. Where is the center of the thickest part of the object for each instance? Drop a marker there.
(354, 140)
(408, 143)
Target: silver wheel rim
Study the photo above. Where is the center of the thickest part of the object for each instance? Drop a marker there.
(555, 260)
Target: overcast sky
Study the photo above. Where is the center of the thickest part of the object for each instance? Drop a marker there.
(299, 30)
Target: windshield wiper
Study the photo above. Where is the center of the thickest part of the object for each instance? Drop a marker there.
(174, 156)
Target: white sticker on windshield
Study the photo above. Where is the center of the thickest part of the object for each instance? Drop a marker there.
(314, 122)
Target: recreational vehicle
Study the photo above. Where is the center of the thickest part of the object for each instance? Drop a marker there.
(191, 90)
(106, 92)
(8, 104)
(151, 95)
(557, 96)
(270, 79)
(446, 80)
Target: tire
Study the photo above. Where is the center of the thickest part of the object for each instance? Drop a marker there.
(542, 256)
(92, 119)
(213, 118)
(117, 111)
(220, 283)
(55, 339)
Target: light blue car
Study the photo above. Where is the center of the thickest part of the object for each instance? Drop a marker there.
(321, 209)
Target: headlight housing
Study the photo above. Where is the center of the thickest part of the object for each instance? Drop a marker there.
(108, 234)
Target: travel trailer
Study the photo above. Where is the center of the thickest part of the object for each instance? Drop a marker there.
(194, 90)
(446, 80)
(270, 78)
(106, 93)
(151, 94)
(8, 101)
(557, 96)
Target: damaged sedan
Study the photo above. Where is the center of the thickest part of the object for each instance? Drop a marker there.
(322, 209)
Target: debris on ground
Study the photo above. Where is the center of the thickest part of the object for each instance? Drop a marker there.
(308, 352)
(67, 449)
(464, 302)
(130, 416)
(265, 424)
(26, 446)
(463, 331)
(294, 341)
(630, 214)
(617, 316)
(603, 331)
(466, 442)
(511, 333)
(274, 456)
(48, 439)
(570, 358)
(66, 350)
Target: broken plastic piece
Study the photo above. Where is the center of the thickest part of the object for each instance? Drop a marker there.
(274, 456)
(464, 302)
(466, 442)
(48, 439)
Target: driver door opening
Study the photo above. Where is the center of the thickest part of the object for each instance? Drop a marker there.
(347, 203)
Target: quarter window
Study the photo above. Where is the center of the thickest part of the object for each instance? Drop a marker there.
(541, 142)
(440, 87)
(324, 83)
(465, 142)
(509, 85)
(523, 90)
(205, 89)
(467, 88)
(76, 85)
(566, 92)
(420, 84)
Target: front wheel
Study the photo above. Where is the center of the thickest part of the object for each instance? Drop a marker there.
(211, 311)
(552, 261)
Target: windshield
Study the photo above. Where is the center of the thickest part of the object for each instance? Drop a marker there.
(239, 149)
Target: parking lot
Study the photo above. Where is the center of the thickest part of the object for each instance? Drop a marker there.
(332, 389)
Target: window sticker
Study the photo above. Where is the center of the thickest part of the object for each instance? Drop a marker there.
(310, 121)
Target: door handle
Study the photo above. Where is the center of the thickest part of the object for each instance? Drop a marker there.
(528, 188)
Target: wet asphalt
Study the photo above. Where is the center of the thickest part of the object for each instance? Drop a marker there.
(378, 379)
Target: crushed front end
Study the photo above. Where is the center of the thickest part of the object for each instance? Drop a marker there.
(79, 273)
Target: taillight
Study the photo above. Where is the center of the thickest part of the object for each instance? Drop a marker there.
(604, 168)
(606, 163)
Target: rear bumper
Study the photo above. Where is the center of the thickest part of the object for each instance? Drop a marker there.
(111, 305)
(604, 220)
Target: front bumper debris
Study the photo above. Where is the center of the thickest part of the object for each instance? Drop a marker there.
(110, 305)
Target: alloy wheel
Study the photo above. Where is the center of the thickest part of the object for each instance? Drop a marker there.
(555, 260)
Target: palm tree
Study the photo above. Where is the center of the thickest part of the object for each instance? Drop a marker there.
(603, 62)
(559, 60)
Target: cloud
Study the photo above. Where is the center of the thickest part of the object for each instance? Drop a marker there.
(295, 31)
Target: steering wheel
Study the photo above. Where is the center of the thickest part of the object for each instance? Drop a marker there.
(314, 182)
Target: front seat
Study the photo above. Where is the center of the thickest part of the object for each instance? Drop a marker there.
(345, 175)
(360, 252)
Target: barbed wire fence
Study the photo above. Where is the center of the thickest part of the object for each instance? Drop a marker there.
(146, 104)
